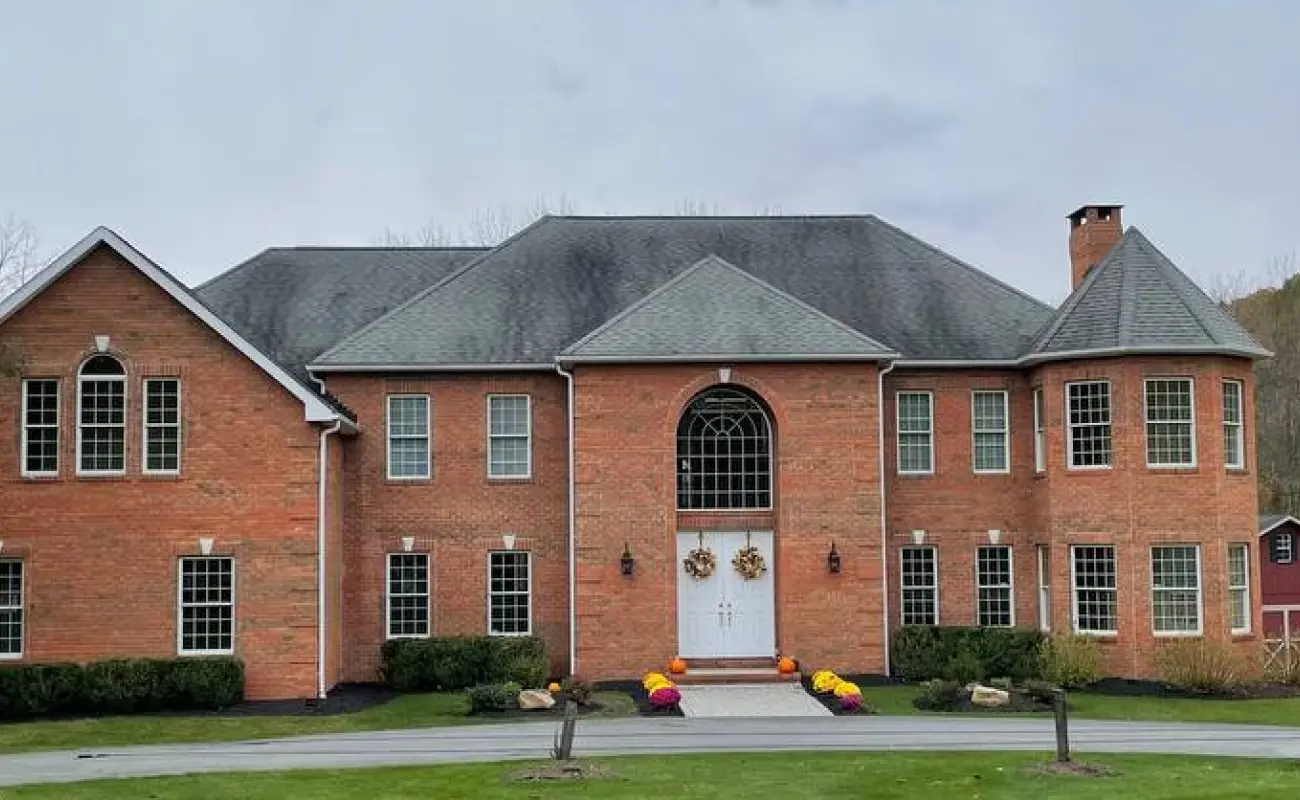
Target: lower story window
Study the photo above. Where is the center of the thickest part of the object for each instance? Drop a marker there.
(510, 593)
(11, 608)
(1239, 586)
(207, 606)
(1176, 589)
(408, 595)
(1095, 594)
(920, 586)
(993, 574)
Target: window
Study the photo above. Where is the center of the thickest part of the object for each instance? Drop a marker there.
(1234, 444)
(1171, 439)
(207, 606)
(993, 582)
(1040, 439)
(101, 428)
(920, 586)
(509, 432)
(1094, 589)
(1283, 547)
(162, 425)
(11, 608)
(408, 595)
(990, 431)
(915, 433)
(1239, 587)
(509, 593)
(724, 453)
(1176, 589)
(408, 436)
(1089, 424)
(1044, 587)
(40, 427)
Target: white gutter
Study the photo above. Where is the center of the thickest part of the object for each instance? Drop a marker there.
(572, 536)
(884, 523)
(320, 556)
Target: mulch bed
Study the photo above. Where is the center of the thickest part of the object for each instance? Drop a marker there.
(345, 699)
(554, 712)
(1125, 687)
(565, 771)
(1076, 768)
(640, 696)
(832, 703)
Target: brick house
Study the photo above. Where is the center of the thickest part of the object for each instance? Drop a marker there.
(842, 427)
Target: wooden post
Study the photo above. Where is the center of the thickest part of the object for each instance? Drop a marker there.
(565, 750)
(1062, 726)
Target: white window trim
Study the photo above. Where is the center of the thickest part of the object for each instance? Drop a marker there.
(1010, 587)
(1290, 547)
(1006, 432)
(1070, 426)
(1200, 593)
(1043, 558)
(22, 610)
(529, 555)
(902, 589)
(180, 607)
(1040, 432)
(145, 427)
(428, 597)
(1244, 589)
(58, 431)
(528, 406)
(126, 403)
(1146, 422)
(898, 432)
(1074, 593)
(388, 437)
(1240, 425)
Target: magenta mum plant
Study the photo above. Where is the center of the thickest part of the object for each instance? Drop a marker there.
(665, 697)
(851, 702)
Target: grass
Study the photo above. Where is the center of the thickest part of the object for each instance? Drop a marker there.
(405, 711)
(881, 776)
(1279, 711)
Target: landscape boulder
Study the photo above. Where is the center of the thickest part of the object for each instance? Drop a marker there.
(535, 700)
(988, 697)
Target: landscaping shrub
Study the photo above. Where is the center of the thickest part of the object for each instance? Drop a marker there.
(455, 663)
(1199, 665)
(204, 682)
(576, 689)
(494, 697)
(938, 695)
(926, 652)
(119, 686)
(1042, 691)
(1070, 660)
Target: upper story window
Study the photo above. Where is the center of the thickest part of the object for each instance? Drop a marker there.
(1088, 411)
(40, 427)
(510, 430)
(915, 433)
(1040, 438)
(101, 417)
(162, 425)
(990, 431)
(1234, 442)
(1171, 436)
(1283, 547)
(408, 436)
(724, 453)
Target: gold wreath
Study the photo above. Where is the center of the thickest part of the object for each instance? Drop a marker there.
(749, 562)
(700, 563)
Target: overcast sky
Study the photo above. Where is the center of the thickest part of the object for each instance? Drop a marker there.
(204, 132)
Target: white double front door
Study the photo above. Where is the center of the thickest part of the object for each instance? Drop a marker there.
(725, 615)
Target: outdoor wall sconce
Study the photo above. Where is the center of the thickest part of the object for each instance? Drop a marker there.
(627, 563)
(833, 559)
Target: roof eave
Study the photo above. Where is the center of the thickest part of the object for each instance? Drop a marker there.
(407, 367)
(679, 358)
(1278, 524)
(1133, 350)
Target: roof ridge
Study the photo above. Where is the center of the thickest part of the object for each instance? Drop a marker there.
(624, 217)
(384, 248)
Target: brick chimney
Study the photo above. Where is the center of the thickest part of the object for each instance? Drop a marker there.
(1094, 230)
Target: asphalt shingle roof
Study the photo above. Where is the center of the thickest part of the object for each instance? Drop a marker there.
(560, 279)
(716, 310)
(1268, 521)
(295, 303)
(1135, 299)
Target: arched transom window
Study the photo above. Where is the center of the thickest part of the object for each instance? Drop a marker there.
(101, 416)
(724, 453)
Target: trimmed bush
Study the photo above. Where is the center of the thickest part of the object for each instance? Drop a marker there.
(1070, 660)
(938, 695)
(456, 663)
(1199, 665)
(926, 652)
(494, 697)
(120, 686)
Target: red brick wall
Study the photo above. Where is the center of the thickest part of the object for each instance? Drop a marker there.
(827, 489)
(458, 515)
(101, 553)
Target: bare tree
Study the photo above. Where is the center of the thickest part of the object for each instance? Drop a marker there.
(19, 262)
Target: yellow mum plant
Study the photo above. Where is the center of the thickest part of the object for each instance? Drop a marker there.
(824, 681)
(554, 688)
(845, 688)
(652, 677)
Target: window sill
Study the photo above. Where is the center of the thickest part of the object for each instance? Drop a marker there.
(407, 481)
(1089, 472)
(1172, 470)
(1178, 635)
(914, 475)
(41, 477)
(529, 479)
(102, 476)
(1237, 471)
(161, 476)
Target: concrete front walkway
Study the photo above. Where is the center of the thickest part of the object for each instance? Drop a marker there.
(750, 700)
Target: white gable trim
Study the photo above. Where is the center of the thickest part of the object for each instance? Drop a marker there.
(316, 409)
(1278, 524)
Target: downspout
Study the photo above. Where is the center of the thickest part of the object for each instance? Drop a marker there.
(320, 556)
(884, 524)
(572, 534)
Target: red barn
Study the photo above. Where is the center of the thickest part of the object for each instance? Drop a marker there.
(1279, 572)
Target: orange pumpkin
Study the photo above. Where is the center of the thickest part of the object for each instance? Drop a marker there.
(786, 665)
(677, 666)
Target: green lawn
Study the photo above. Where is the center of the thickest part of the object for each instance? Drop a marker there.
(406, 711)
(788, 775)
(1282, 711)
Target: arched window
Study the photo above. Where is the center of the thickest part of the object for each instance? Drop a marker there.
(101, 416)
(724, 453)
